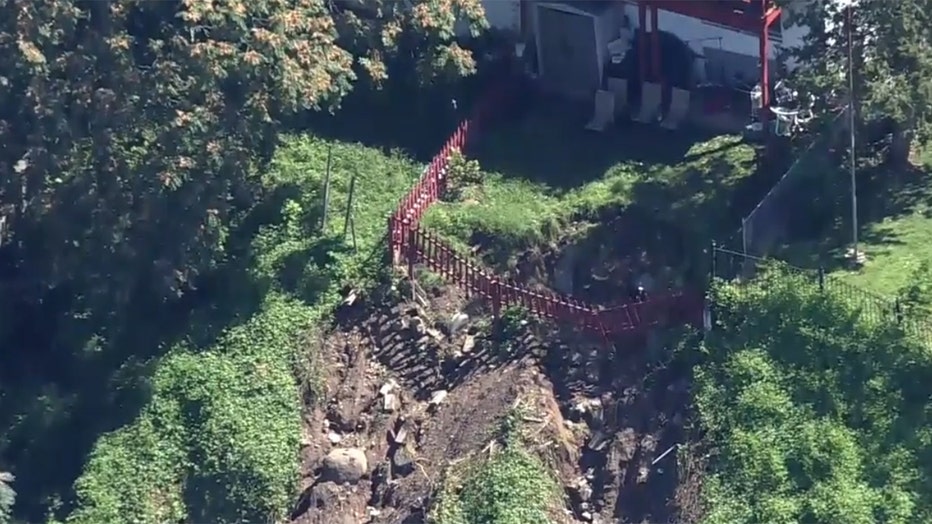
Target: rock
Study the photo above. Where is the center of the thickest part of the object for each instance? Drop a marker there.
(586, 516)
(583, 489)
(344, 465)
(435, 334)
(390, 403)
(597, 441)
(438, 397)
(643, 473)
(388, 387)
(469, 344)
(402, 463)
(458, 321)
(334, 437)
(401, 435)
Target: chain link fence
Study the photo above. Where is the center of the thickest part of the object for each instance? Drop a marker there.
(776, 218)
(732, 265)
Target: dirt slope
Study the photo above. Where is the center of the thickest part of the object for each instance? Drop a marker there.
(596, 419)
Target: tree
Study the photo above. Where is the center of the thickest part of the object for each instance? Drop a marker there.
(7, 496)
(892, 53)
(132, 132)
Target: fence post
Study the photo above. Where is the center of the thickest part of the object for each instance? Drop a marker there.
(712, 268)
(411, 249)
(392, 241)
(821, 278)
(496, 292)
(898, 313)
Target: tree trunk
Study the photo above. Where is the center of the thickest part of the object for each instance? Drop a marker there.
(901, 145)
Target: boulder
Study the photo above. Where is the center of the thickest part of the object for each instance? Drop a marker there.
(344, 465)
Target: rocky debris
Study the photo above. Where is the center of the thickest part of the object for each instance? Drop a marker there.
(390, 400)
(390, 403)
(437, 398)
(328, 498)
(398, 437)
(589, 409)
(435, 334)
(459, 320)
(598, 441)
(402, 462)
(388, 387)
(643, 474)
(344, 465)
(469, 343)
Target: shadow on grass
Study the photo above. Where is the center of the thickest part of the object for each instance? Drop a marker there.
(893, 205)
(551, 146)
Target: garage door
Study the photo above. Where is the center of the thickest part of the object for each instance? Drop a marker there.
(568, 52)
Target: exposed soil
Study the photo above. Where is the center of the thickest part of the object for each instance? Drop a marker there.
(599, 417)
(602, 263)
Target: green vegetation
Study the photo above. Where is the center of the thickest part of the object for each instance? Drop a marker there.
(218, 441)
(512, 486)
(542, 177)
(7, 496)
(156, 273)
(813, 414)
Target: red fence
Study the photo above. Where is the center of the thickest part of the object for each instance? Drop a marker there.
(413, 244)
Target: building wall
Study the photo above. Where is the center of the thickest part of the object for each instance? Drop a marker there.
(503, 14)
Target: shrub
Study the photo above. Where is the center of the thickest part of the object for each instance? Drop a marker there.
(511, 487)
(816, 414)
(218, 441)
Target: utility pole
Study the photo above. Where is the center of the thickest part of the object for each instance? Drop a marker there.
(856, 255)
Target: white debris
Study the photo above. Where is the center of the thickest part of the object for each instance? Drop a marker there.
(438, 397)
(458, 321)
(388, 387)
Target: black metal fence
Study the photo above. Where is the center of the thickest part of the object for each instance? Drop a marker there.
(731, 265)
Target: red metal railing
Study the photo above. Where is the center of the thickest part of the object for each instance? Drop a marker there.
(412, 244)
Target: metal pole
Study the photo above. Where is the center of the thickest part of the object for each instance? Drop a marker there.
(323, 222)
(851, 123)
(349, 204)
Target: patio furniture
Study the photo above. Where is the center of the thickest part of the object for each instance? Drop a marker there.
(604, 113)
(651, 98)
(619, 86)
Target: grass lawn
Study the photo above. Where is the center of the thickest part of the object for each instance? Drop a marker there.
(895, 215)
(545, 173)
(895, 248)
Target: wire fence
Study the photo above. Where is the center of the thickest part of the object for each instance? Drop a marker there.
(732, 265)
(771, 221)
